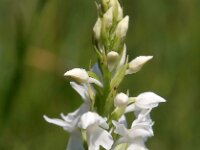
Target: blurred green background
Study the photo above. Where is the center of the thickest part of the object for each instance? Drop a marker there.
(41, 39)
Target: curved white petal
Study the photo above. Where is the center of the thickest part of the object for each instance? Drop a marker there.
(75, 141)
(55, 121)
(148, 100)
(120, 128)
(130, 108)
(96, 137)
(82, 90)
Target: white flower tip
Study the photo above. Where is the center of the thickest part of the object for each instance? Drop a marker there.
(77, 74)
(121, 100)
(122, 27)
(136, 64)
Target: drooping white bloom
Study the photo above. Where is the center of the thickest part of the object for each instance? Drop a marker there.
(112, 58)
(108, 17)
(122, 27)
(95, 127)
(81, 76)
(136, 64)
(136, 136)
(121, 100)
(70, 124)
(97, 29)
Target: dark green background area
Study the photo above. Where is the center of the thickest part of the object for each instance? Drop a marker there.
(41, 39)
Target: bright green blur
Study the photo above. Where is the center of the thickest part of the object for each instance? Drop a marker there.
(41, 39)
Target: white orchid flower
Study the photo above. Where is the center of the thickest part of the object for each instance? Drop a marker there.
(81, 76)
(145, 101)
(70, 124)
(136, 136)
(95, 127)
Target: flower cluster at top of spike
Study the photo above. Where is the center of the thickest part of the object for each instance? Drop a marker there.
(100, 122)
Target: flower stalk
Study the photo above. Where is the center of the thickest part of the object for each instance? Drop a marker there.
(101, 120)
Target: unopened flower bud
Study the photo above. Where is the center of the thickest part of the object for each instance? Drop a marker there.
(78, 74)
(117, 9)
(97, 29)
(136, 64)
(122, 27)
(112, 58)
(119, 12)
(121, 100)
(108, 18)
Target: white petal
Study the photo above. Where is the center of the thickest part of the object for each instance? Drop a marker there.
(81, 89)
(91, 118)
(96, 136)
(148, 100)
(75, 141)
(73, 118)
(120, 128)
(78, 74)
(130, 108)
(55, 121)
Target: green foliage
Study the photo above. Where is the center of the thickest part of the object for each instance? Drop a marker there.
(41, 39)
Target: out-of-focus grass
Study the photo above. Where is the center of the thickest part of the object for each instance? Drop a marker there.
(41, 39)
